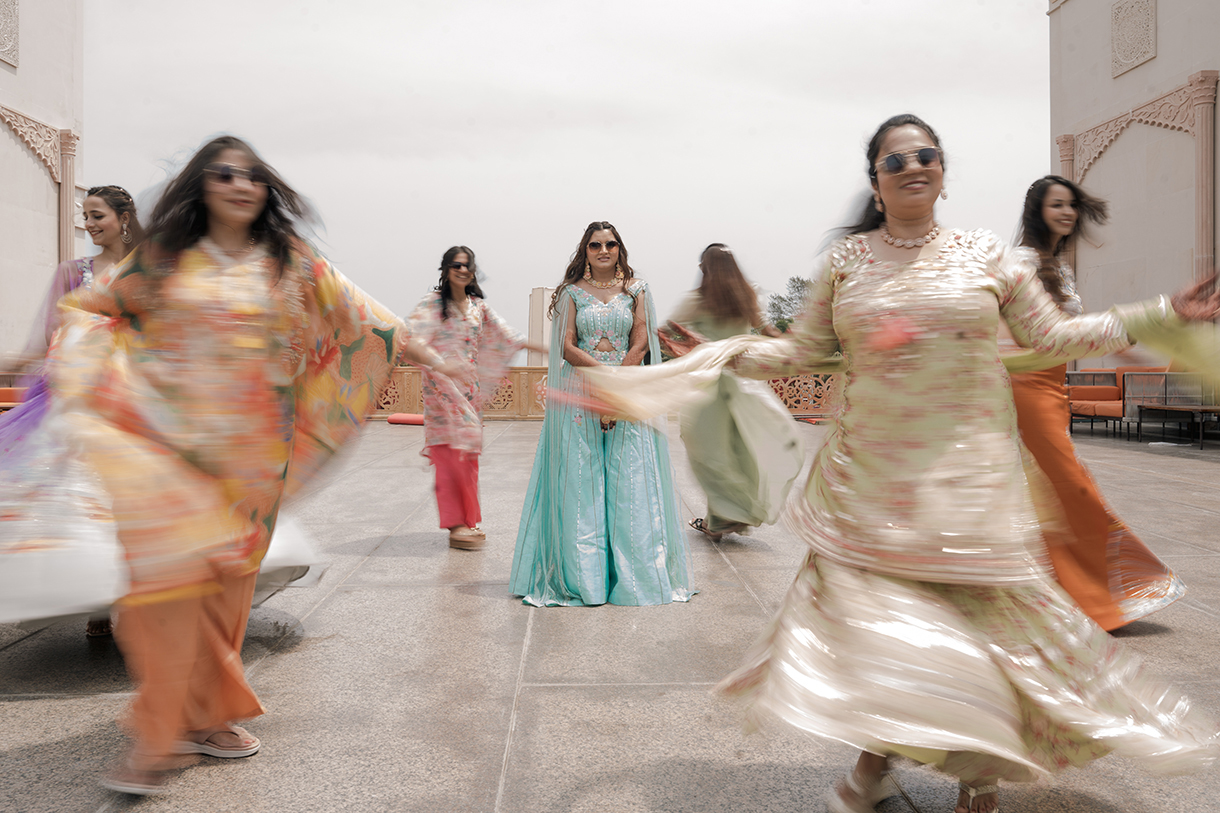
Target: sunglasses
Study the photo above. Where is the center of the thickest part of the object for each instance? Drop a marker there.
(596, 245)
(455, 266)
(227, 174)
(896, 162)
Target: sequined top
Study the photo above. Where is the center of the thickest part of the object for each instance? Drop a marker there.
(1067, 280)
(612, 321)
(921, 477)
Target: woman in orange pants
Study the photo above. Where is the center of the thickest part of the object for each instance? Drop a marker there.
(1109, 572)
(204, 379)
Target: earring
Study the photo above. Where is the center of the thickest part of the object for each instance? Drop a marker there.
(878, 205)
(125, 235)
(944, 193)
(618, 270)
(588, 269)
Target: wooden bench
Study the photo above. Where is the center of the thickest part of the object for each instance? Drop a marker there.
(1200, 414)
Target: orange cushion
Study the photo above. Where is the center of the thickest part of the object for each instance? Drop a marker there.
(11, 393)
(408, 418)
(1084, 408)
(1093, 392)
(1109, 409)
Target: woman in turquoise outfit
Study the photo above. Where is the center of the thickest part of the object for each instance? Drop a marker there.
(600, 522)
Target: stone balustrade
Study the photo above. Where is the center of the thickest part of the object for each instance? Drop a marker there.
(522, 395)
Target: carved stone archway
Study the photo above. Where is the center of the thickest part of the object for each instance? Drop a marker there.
(56, 149)
(1189, 108)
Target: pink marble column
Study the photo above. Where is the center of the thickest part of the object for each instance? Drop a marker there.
(1067, 169)
(67, 194)
(1203, 99)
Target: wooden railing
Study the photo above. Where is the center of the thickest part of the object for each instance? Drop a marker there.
(522, 395)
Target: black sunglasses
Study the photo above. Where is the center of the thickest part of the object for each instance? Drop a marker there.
(596, 245)
(227, 173)
(896, 162)
(452, 266)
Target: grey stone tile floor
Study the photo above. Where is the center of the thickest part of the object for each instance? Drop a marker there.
(409, 680)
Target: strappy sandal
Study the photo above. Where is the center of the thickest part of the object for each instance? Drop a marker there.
(702, 527)
(130, 779)
(868, 795)
(981, 790)
(248, 747)
(99, 628)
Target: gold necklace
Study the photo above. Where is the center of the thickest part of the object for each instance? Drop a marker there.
(916, 242)
(618, 277)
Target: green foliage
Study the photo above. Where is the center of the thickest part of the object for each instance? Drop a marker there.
(782, 309)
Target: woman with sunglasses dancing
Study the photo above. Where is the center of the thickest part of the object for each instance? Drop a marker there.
(924, 622)
(205, 378)
(456, 321)
(600, 522)
(1097, 559)
(109, 216)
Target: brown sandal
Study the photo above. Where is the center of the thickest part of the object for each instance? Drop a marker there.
(469, 539)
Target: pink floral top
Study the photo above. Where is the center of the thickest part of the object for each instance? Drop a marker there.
(478, 336)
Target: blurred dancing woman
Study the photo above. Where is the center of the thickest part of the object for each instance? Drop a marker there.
(1100, 563)
(204, 378)
(456, 321)
(109, 216)
(924, 622)
(600, 522)
(741, 441)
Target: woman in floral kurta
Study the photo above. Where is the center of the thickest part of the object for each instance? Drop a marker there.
(456, 321)
(203, 379)
(924, 621)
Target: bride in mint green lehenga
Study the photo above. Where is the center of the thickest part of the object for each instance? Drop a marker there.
(600, 522)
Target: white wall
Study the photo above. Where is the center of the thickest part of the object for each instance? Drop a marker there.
(47, 86)
(1148, 173)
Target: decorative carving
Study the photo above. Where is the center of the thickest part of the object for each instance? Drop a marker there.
(43, 139)
(503, 398)
(1203, 87)
(803, 395)
(67, 143)
(1067, 147)
(10, 29)
(1173, 110)
(1132, 34)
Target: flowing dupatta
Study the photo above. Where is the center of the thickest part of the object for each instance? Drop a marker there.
(538, 565)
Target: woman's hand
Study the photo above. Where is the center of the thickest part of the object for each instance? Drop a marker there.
(457, 370)
(1198, 303)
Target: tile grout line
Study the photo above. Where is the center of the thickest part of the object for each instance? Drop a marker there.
(740, 578)
(301, 621)
(512, 718)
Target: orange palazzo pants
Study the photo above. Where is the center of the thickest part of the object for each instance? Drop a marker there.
(1102, 565)
(185, 657)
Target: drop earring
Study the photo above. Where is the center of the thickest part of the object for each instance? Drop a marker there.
(878, 205)
(944, 193)
(125, 235)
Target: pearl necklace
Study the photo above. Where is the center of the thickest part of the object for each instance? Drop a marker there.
(899, 242)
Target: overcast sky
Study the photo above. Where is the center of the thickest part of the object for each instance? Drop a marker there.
(508, 126)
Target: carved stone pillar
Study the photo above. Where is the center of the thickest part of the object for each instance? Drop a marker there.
(1067, 169)
(67, 194)
(1203, 99)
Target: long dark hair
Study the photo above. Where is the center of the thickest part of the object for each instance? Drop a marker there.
(180, 217)
(444, 285)
(121, 203)
(870, 218)
(1037, 235)
(725, 292)
(576, 267)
